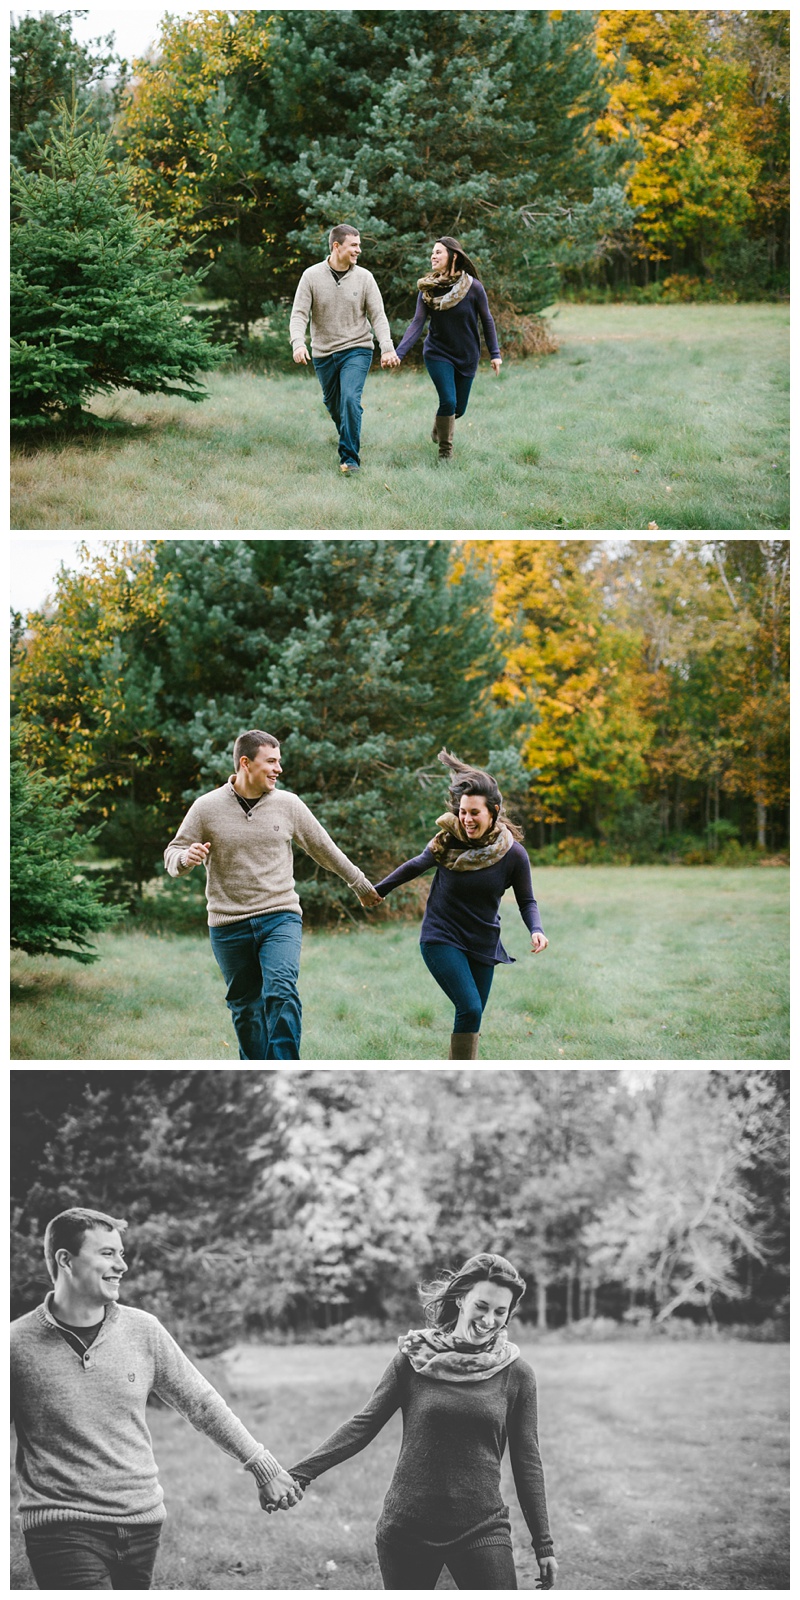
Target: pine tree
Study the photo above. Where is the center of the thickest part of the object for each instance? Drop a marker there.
(53, 907)
(97, 289)
(47, 65)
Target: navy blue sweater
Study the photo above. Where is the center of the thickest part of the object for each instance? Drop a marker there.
(464, 907)
(454, 334)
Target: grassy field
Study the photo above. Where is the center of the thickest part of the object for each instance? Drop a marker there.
(666, 1465)
(645, 963)
(673, 415)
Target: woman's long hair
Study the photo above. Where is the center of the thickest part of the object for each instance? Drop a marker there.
(440, 1297)
(473, 780)
(458, 259)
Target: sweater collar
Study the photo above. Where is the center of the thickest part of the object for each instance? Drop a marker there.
(46, 1313)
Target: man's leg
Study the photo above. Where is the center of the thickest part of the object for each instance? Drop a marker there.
(279, 937)
(136, 1549)
(70, 1555)
(236, 951)
(354, 366)
(327, 370)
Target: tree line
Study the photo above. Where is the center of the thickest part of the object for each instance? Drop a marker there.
(312, 1203)
(632, 699)
(571, 151)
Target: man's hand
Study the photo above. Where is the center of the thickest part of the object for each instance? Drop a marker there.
(301, 355)
(538, 943)
(369, 897)
(390, 359)
(280, 1493)
(497, 362)
(548, 1568)
(196, 855)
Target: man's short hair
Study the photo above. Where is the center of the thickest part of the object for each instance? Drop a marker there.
(68, 1230)
(249, 744)
(341, 232)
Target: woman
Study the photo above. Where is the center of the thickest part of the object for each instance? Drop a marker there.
(455, 300)
(463, 1391)
(478, 856)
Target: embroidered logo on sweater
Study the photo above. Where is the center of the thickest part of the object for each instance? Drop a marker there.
(131, 1377)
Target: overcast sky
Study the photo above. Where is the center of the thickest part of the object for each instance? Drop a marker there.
(135, 27)
(34, 565)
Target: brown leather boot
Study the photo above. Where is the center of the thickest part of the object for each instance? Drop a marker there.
(463, 1047)
(442, 434)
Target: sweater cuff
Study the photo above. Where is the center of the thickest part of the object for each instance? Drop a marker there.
(544, 1550)
(263, 1466)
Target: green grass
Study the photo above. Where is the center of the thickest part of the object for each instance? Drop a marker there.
(674, 415)
(644, 963)
(666, 1467)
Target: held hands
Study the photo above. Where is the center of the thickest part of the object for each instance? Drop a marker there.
(548, 1568)
(196, 855)
(280, 1494)
(390, 359)
(538, 943)
(369, 897)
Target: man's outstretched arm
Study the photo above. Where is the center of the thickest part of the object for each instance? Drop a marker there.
(179, 1383)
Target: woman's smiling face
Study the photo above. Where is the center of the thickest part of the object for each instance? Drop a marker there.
(484, 1308)
(439, 258)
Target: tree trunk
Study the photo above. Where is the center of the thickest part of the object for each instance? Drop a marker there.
(541, 1303)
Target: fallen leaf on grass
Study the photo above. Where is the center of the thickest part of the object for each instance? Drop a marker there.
(653, 525)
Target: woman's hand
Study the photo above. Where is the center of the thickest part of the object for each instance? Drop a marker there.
(538, 943)
(497, 362)
(548, 1567)
(280, 1494)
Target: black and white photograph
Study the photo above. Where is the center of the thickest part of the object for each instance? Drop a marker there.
(366, 1329)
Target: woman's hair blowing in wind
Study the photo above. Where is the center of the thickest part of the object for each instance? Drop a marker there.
(468, 779)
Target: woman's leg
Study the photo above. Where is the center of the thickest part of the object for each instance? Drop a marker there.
(408, 1566)
(451, 969)
(443, 374)
(463, 386)
(482, 975)
(490, 1566)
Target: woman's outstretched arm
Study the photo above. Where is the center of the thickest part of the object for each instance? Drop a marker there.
(526, 1462)
(356, 1434)
(414, 328)
(409, 869)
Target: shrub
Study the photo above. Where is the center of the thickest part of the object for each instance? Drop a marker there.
(53, 906)
(97, 289)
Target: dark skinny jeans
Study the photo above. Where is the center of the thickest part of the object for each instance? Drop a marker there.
(452, 387)
(465, 981)
(414, 1566)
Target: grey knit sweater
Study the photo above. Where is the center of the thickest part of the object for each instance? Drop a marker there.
(84, 1451)
(249, 870)
(445, 1492)
(341, 313)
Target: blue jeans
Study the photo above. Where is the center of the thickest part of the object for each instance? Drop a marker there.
(412, 1566)
(259, 958)
(343, 376)
(451, 386)
(465, 981)
(93, 1555)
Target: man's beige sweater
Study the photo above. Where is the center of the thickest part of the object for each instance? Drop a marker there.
(249, 870)
(341, 313)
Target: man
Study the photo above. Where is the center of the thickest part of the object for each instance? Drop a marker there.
(82, 1367)
(242, 833)
(342, 299)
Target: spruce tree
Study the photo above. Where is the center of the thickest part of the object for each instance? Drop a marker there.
(53, 907)
(97, 288)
